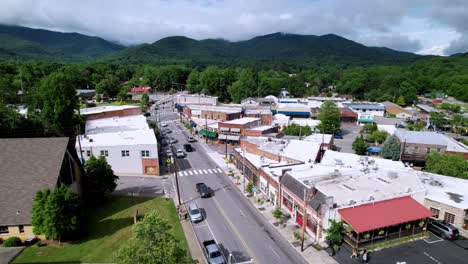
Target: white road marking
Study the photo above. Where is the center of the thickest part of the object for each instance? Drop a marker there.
(200, 171)
(198, 226)
(190, 172)
(219, 170)
(204, 171)
(209, 170)
(182, 173)
(195, 172)
(435, 241)
(432, 258)
(275, 252)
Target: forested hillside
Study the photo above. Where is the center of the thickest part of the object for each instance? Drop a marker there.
(37, 44)
(269, 51)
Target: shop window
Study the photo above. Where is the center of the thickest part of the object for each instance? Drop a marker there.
(105, 153)
(145, 153)
(449, 218)
(125, 153)
(435, 212)
(88, 153)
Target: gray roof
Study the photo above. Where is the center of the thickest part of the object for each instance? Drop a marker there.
(27, 165)
(421, 137)
(296, 187)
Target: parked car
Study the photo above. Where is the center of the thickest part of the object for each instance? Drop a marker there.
(338, 136)
(191, 139)
(203, 190)
(169, 153)
(443, 229)
(195, 213)
(168, 131)
(213, 252)
(172, 140)
(163, 142)
(147, 114)
(163, 124)
(180, 153)
(188, 147)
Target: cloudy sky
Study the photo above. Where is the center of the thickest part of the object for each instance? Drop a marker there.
(421, 26)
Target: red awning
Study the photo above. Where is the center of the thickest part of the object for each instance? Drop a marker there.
(385, 213)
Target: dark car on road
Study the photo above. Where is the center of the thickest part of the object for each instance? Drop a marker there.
(338, 136)
(188, 147)
(203, 190)
(163, 142)
(443, 229)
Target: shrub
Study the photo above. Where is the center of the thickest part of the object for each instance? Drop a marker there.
(297, 236)
(421, 223)
(12, 242)
(277, 213)
(366, 235)
(407, 226)
(381, 232)
(249, 188)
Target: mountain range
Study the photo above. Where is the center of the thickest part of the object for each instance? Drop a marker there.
(278, 48)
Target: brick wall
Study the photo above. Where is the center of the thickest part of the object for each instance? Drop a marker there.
(150, 163)
(13, 231)
(259, 133)
(120, 113)
(459, 214)
(266, 119)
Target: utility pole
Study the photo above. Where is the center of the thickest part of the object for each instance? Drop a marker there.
(206, 129)
(243, 168)
(225, 143)
(79, 142)
(175, 173)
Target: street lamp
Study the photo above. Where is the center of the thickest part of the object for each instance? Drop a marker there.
(243, 168)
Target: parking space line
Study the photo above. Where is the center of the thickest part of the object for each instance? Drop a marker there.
(435, 241)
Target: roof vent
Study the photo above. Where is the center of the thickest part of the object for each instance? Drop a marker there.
(370, 198)
(90, 140)
(338, 162)
(408, 190)
(392, 174)
(435, 183)
(351, 202)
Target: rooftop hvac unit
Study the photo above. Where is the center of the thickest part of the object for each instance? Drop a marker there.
(90, 140)
(435, 183)
(408, 190)
(351, 202)
(306, 182)
(370, 198)
(339, 162)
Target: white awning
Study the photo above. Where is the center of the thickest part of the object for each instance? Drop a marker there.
(229, 137)
(224, 129)
(237, 130)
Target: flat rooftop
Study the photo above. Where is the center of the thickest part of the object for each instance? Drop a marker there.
(348, 160)
(123, 138)
(103, 109)
(261, 128)
(365, 105)
(223, 109)
(242, 121)
(445, 189)
(319, 138)
(116, 124)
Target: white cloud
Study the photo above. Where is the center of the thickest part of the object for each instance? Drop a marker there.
(400, 24)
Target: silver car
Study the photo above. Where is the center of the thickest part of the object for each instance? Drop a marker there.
(195, 213)
(444, 230)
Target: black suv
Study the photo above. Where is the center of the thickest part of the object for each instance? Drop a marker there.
(203, 190)
(188, 147)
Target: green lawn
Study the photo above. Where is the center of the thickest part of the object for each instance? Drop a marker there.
(109, 227)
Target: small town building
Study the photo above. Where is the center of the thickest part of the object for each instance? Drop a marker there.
(348, 116)
(110, 111)
(140, 89)
(195, 99)
(394, 110)
(265, 115)
(218, 113)
(415, 145)
(127, 142)
(28, 165)
(366, 110)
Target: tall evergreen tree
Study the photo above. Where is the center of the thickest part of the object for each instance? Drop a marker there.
(330, 118)
(360, 146)
(391, 148)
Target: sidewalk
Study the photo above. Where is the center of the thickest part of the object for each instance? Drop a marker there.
(310, 254)
(192, 241)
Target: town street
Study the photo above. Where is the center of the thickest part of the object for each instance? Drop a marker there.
(229, 218)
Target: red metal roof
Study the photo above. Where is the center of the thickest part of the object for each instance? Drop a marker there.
(372, 216)
(140, 89)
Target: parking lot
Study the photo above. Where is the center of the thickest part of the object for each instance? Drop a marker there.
(349, 132)
(430, 250)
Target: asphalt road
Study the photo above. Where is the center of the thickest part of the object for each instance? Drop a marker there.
(229, 218)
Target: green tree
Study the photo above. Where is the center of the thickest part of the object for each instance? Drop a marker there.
(377, 136)
(297, 130)
(60, 215)
(193, 81)
(330, 118)
(335, 232)
(55, 102)
(391, 148)
(360, 146)
(109, 85)
(401, 101)
(100, 179)
(38, 210)
(145, 100)
(447, 164)
(249, 188)
(246, 86)
(153, 242)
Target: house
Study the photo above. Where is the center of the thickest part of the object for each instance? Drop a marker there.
(140, 89)
(28, 165)
(127, 142)
(394, 110)
(415, 145)
(447, 198)
(348, 116)
(264, 114)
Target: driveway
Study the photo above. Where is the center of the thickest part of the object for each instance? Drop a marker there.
(144, 186)
(350, 132)
(431, 250)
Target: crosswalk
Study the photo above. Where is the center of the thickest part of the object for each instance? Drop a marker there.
(199, 172)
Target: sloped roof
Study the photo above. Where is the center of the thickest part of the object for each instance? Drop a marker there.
(390, 212)
(27, 165)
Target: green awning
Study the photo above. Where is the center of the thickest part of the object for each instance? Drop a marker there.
(207, 133)
(362, 120)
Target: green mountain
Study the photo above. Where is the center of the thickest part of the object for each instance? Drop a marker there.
(38, 44)
(277, 48)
